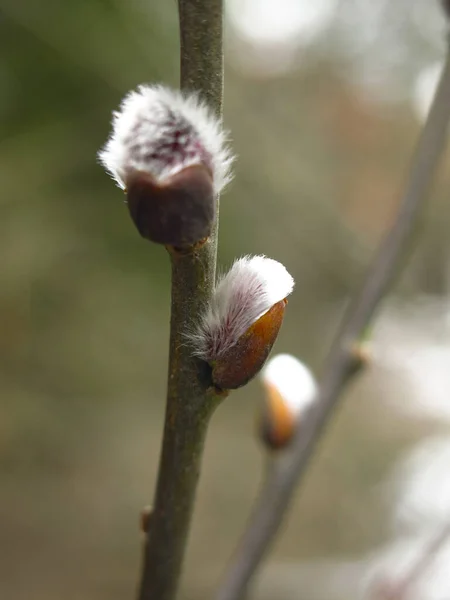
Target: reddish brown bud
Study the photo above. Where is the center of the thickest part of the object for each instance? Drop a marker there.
(235, 367)
(145, 519)
(178, 212)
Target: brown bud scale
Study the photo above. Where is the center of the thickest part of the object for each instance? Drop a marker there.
(277, 422)
(179, 212)
(235, 367)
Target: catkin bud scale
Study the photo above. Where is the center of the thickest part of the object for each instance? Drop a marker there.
(155, 208)
(238, 365)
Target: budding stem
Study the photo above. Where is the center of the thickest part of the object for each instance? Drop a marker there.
(190, 401)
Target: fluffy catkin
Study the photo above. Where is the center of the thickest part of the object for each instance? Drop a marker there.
(161, 132)
(292, 379)
(251, 287)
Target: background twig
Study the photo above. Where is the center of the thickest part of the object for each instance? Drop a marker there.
(398, 590)
(189, 403)
(280, 484)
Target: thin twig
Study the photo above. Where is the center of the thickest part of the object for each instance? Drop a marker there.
(399, 590)
(189, 401)
(278, 489)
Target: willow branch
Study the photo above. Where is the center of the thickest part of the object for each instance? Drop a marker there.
(399, 590)
(189, 401)
(278, 489)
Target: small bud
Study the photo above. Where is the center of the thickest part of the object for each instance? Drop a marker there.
(145, 519)
(241, 324)
(168, 152)
(290, 390)
(361, 355)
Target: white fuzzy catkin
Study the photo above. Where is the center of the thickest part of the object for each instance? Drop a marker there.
(249, 289)
(292, 379)
(161, 132)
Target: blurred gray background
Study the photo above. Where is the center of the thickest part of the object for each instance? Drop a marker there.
(324, 101)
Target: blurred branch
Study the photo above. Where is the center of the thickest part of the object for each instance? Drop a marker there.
(399, 590)
(282, 479)
(190, 402)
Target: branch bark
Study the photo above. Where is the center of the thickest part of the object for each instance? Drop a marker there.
(190, 401)
(285, 473)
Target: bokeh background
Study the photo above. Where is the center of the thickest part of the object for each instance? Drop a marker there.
(324, 101)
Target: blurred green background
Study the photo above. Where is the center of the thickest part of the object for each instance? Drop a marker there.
(323, 118)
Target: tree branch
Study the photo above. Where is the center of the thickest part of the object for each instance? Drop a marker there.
(190, 401)
(277, 491)
(399, 590)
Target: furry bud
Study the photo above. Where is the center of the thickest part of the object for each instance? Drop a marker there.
(241, 362)
(290, 390)
(168, 152)
(241, 324)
